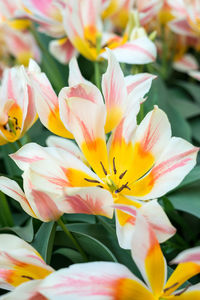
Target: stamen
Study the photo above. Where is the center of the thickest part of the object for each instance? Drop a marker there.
(183, 291)
(27, 277)
(92, 180)
(170, 287)
(122, 175)
(124, 186)
(91, 44)
(104, 170)
(16, 121)
(114, 166)
(100, 186)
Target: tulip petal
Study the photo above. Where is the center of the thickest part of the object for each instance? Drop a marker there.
(13, 190)
(81, 22)
(115, 93)
(75, 76)
(87, 128)
(189, 266)
(138, 85)
(189, 255)
(67, 145)
(25, 291)
(96, 280)
(151, 136)
(156, 217)
(62, 50)
(139, 51)
(42, 200)
(89, 200)
(19, 262)
(126, 214)
(182, 273)
(177, 160)
(47, 102)
(186, 63)
(191, 293)
(182, 27)
(148, 256)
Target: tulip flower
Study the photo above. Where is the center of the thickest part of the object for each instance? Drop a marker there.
(83, 27)
(140, 163)
(17, 109)
(130, 89)
(19, 262)
(108, 280)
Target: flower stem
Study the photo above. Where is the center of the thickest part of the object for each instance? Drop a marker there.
(74, 241)
(97, 75)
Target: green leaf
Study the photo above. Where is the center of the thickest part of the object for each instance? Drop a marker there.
(192, 88)
(192, 177)
(44, 239)
(183, 103)
(195, 124)
(89, 244)
(187, 199)
(71, 254)
(26, 232)
(109, 242)
(159, 95)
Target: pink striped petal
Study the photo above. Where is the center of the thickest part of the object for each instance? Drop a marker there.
(138, 85)
(89, 200)
(62, 50)
(64, 144)
(13, 190)
(173, 165)
(181, 26)
(189, 255)
(158, 220)
(139, 51)
(186, 63)
(115, 93)
(75, 76)
(148, 256)
(28, 154)
(42, 200)
(25, 291)
(154, 132)
(154, 215)
(95, 280)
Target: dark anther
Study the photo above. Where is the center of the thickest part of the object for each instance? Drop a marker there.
(114, 166)
(122, 175)
(91, 180)
(104, 170)
(183, 290)
(27, 277)
(4, 126)
(91, 44)
(16, 121)
(124, 186)
(170, 287)
(100, 186)
(17, 127)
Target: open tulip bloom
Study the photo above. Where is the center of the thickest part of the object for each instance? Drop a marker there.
(17, 107)
(113, 281)
(19, 262)
(139, 163)
(79, 27)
